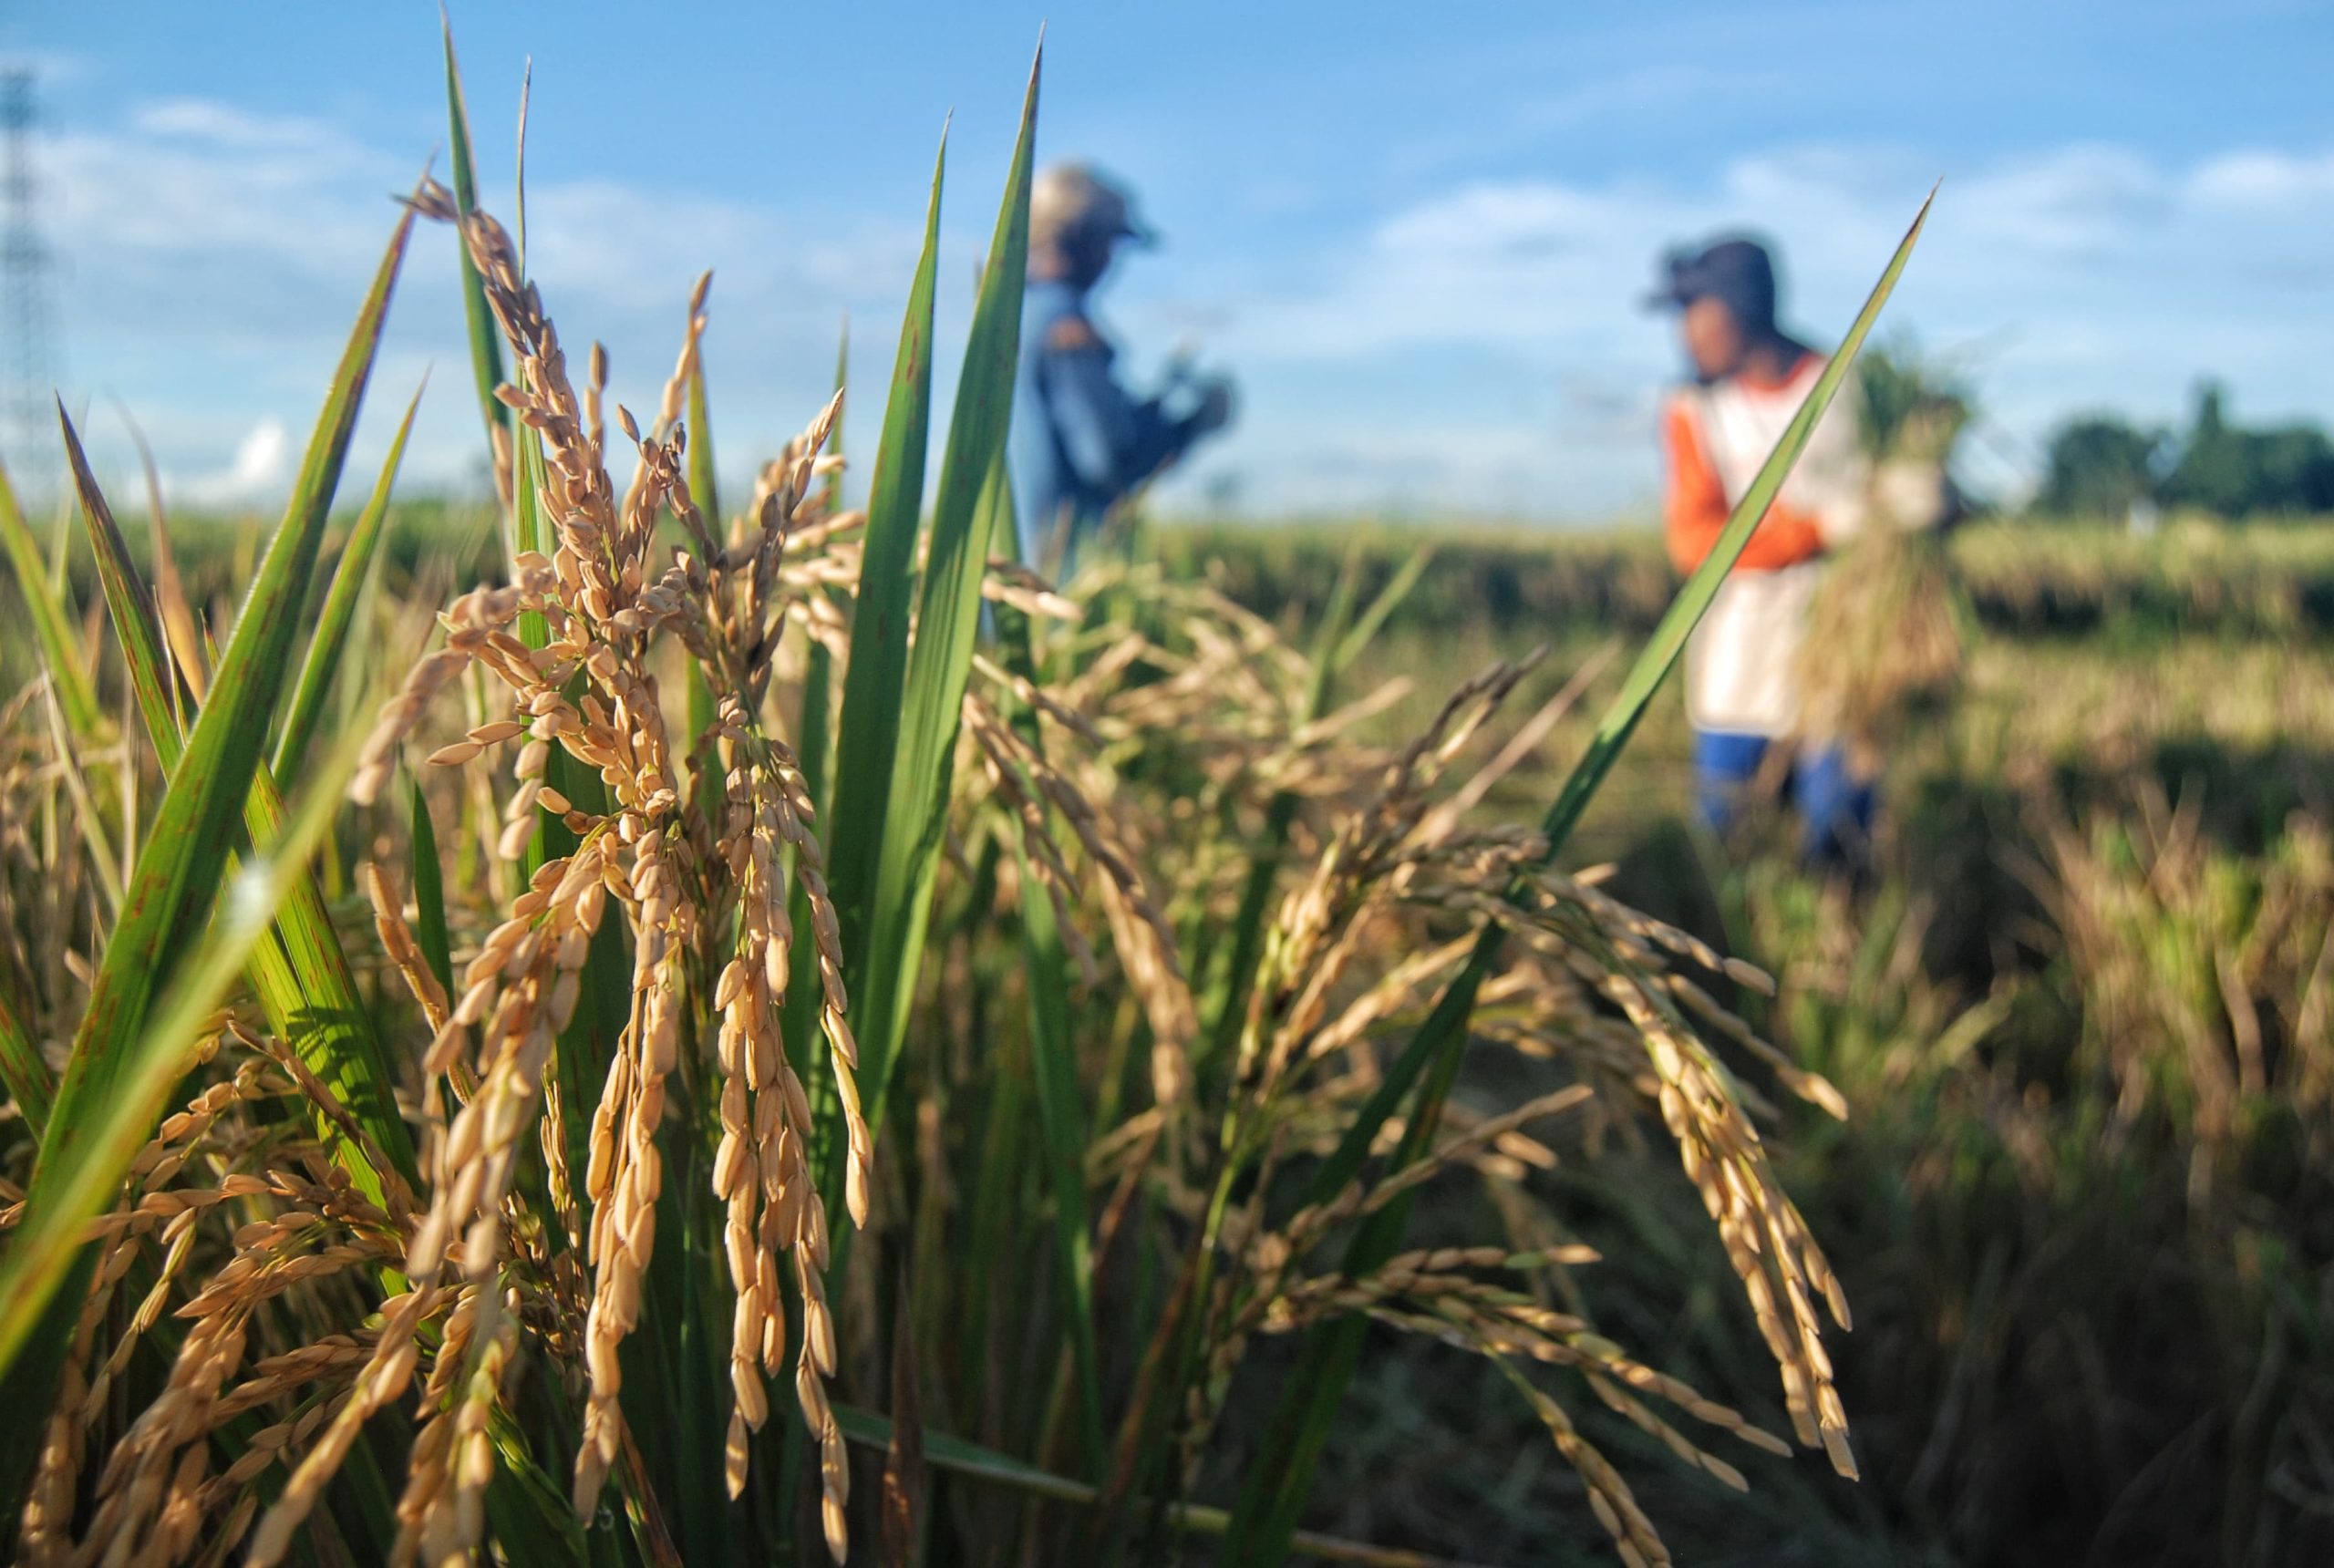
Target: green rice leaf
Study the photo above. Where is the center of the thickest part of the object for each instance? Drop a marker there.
(310, 998)
(519, 166)
(28, 1080)
(486, 339)
(918, 742)
(527, 1513)
(527, 526)
(873, 1431)
(136, 622)
(79, 1174)
(1389, 598)
(52, 617)
(868, 738)
(896, 734)
(972, 1459)
(182, 641)
(813, 751)
(702, 493)
(316, 671)
(301, 975)
(429, 893)
(866, 856)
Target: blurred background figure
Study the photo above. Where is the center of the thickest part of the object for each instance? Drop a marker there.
(1081, 441)
(1742, 690)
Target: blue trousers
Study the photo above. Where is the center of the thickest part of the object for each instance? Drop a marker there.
(1834, 807)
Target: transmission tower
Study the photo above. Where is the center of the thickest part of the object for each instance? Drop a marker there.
(26, 373)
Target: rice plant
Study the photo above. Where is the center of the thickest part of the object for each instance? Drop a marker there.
(759, 975)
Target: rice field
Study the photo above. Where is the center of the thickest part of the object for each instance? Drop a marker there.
(2079, 1018)
(650, 1026)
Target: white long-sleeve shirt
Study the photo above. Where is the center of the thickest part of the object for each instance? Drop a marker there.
(1740, 665)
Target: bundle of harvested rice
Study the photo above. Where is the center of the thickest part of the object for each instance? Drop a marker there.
(1883, 642)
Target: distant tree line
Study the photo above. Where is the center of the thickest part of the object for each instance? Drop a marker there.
(2104, 464)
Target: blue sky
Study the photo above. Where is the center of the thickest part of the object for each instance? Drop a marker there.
(1415, 233)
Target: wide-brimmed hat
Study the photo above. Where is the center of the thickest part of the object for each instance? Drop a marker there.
(1071, 199)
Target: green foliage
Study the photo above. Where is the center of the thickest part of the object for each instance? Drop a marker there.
(877, 673)
(22, 1073)
(134, 1038)
(2100, 466)
(51, 617)
(485, 341)
(898, 772)
(2236, 473)
(339, 611)
(970, 503)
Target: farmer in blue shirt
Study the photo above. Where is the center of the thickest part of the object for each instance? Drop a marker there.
(1080, 441)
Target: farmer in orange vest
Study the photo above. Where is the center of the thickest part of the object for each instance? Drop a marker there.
(1749, 378)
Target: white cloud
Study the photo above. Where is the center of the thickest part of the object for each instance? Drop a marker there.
(202, 120)
(186, 179)
(2078, 275)
(2262, 182)
(262, 465)
(213, 259)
